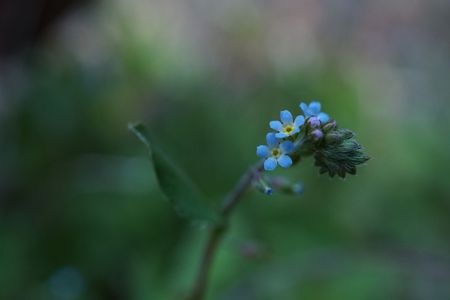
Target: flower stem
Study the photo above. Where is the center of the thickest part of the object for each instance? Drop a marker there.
(217, 232)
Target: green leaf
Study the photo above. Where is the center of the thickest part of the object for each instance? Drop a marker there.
(184, 195)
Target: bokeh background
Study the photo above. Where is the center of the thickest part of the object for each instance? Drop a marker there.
(81, 216)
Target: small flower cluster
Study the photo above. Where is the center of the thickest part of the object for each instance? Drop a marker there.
(315, 134)
(289, 132)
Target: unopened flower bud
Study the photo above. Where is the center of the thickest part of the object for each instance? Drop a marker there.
(262, 186)
(317, 134)
(285, 186)
(338, 136)
(340, 154)
(329, 126)
(314, 122)
(333, 137)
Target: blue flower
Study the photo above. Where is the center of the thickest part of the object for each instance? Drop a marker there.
(313, 110)
(275, 153)
(287, 126)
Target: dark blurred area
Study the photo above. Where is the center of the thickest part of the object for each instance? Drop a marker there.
(81, 216)
(23, 22)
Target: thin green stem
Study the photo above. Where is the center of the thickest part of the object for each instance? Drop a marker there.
(217, 232)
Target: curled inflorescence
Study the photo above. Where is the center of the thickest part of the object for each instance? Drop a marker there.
(314, 133)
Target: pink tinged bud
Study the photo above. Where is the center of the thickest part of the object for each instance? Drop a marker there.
(317, 134)
(314, 122)
(329, 126)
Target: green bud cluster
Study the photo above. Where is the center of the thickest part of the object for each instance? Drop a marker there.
(339, 153)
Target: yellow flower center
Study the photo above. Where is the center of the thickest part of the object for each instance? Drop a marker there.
(288, 129)
(276, 152)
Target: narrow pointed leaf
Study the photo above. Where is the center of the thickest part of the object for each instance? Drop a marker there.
(184, 195)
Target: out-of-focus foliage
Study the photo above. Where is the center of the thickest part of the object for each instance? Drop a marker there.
(81, 216)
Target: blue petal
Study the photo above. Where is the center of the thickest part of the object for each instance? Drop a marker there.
(323, 117)
(271, 139)
(281, 135)
(286, 117)
(287, 147)
(299, 121)
(270, 164)
(295, 131)
(304, 107)
(314, 107)
(285, 161)
(262, 151)
(276, 125)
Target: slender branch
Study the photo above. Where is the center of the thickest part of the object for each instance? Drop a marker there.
(215, 236)
(238, 191)
(200, 283)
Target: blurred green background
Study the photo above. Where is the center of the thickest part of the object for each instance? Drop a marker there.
(81, 216)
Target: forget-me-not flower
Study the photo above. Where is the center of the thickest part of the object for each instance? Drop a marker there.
(288, 126)
(275, 153)
(313, 110)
